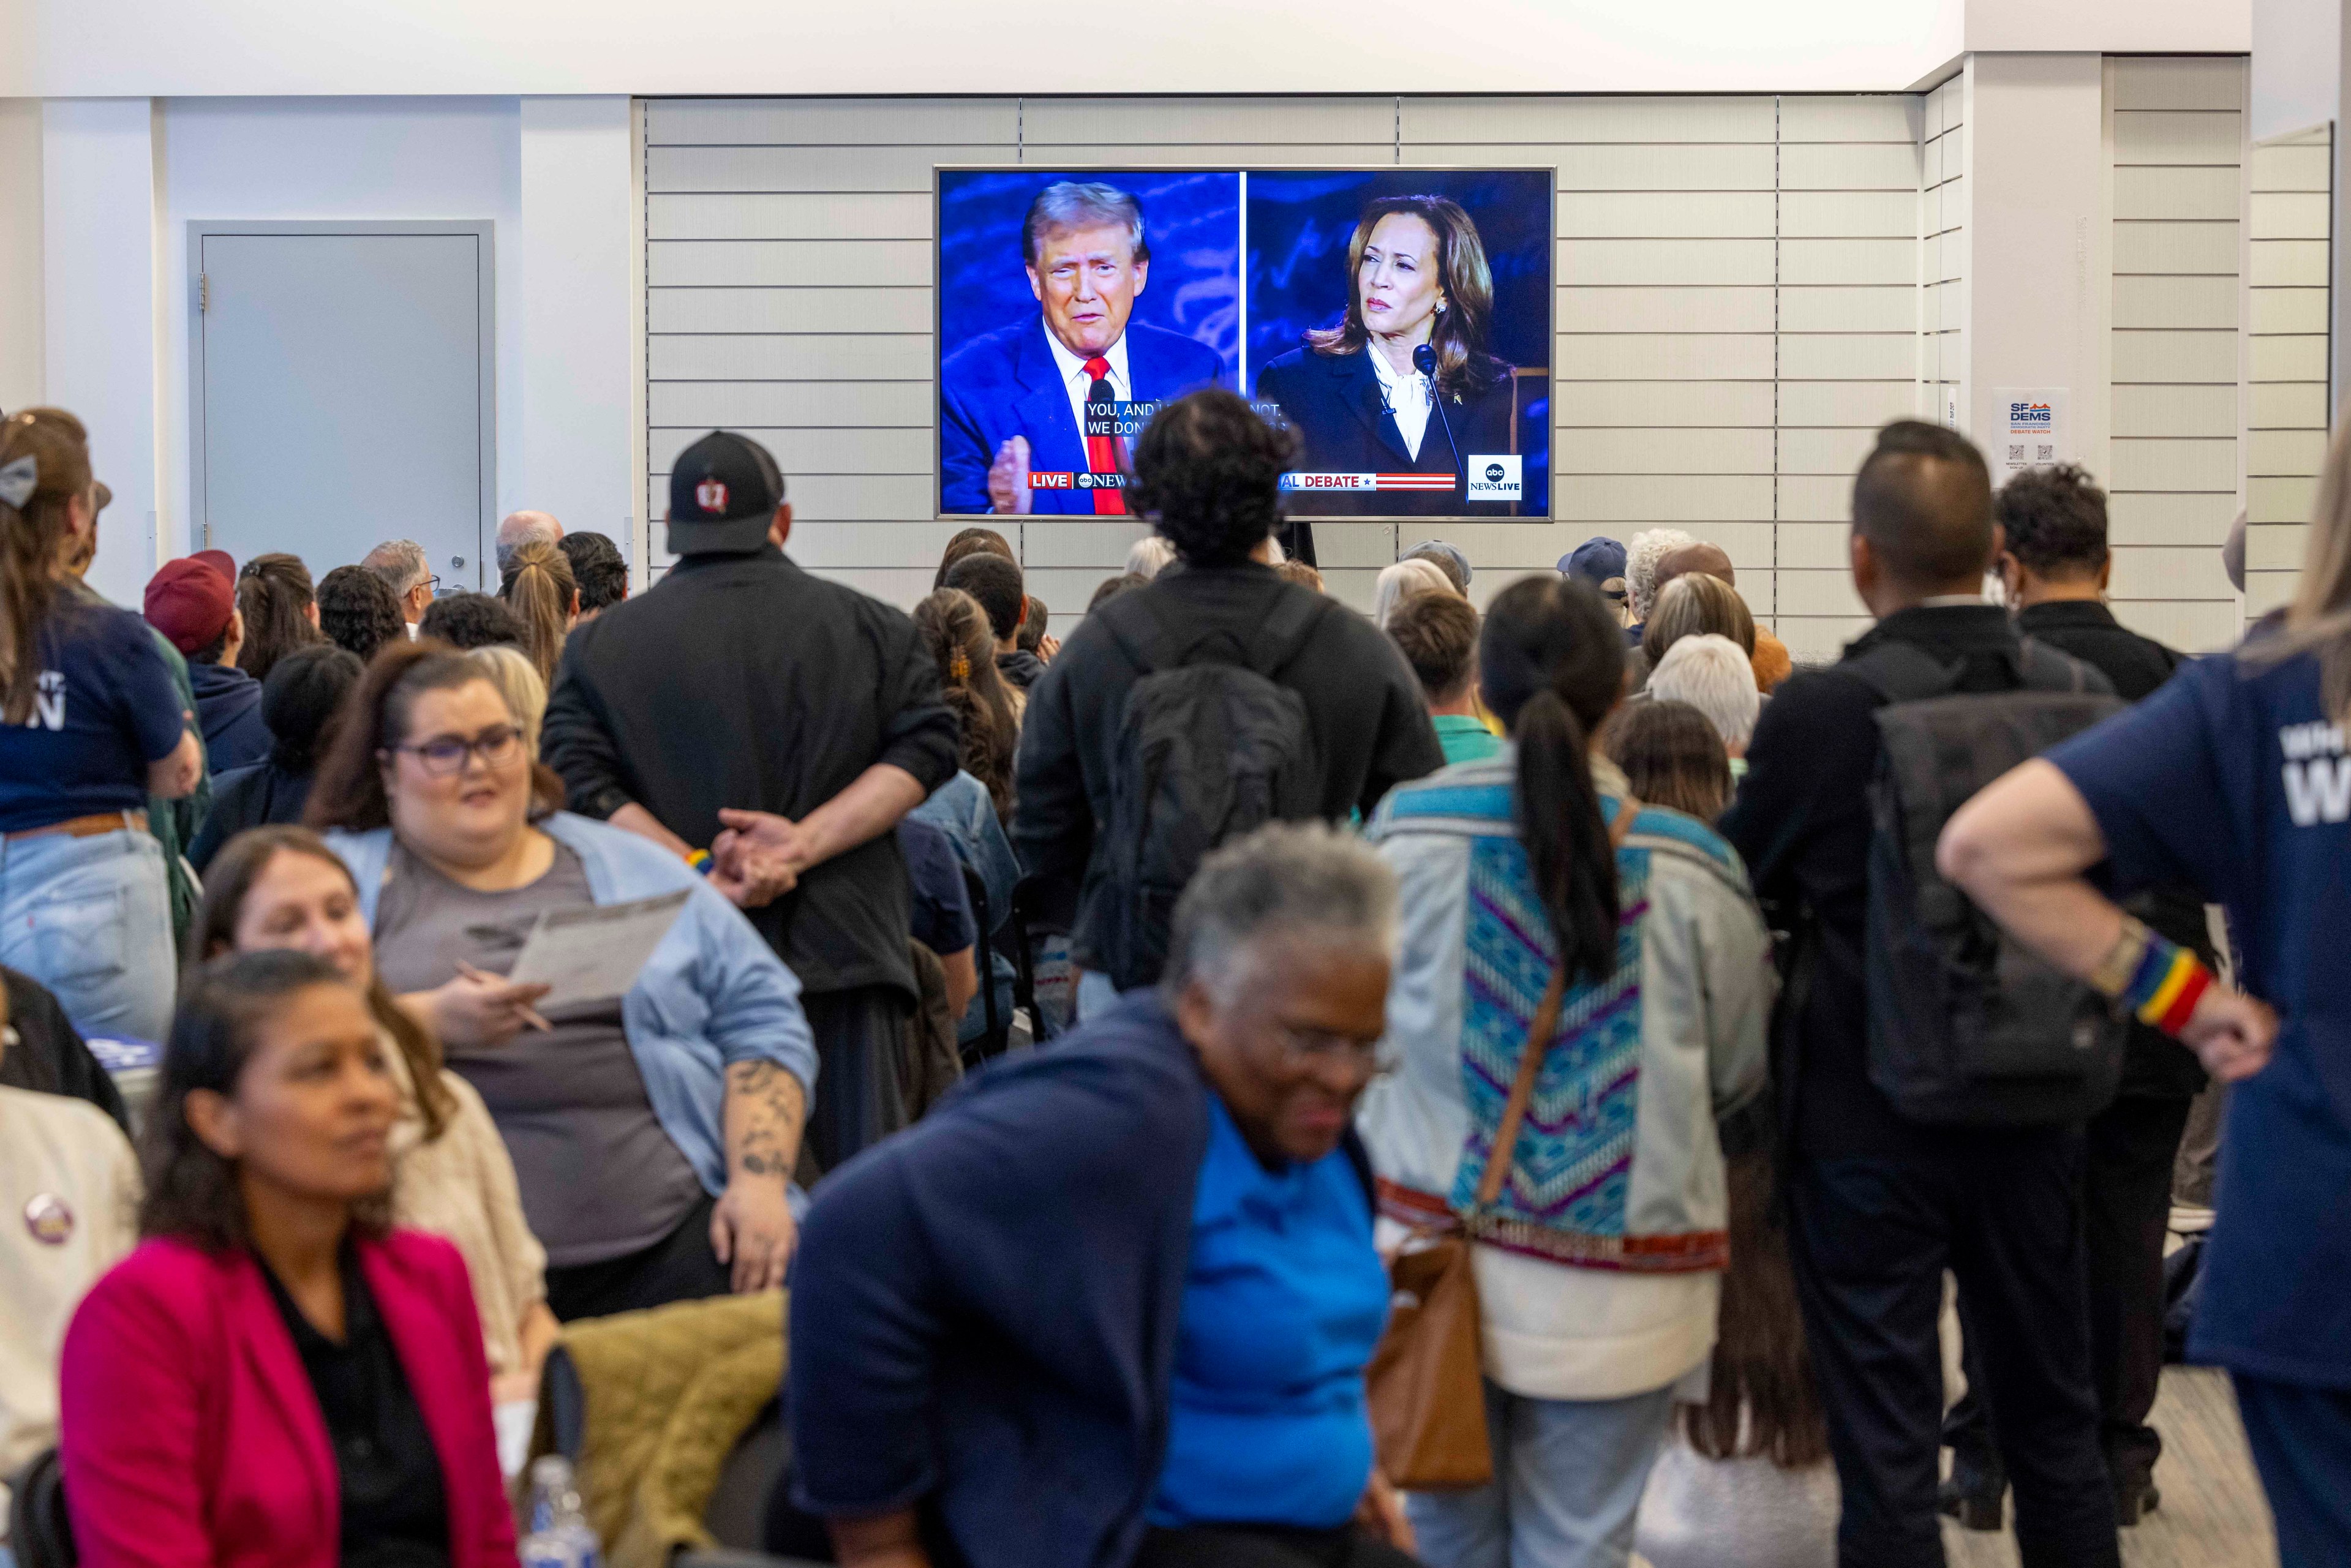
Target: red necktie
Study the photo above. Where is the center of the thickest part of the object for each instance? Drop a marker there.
(1101, 451)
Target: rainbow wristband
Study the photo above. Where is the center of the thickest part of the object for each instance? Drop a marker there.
(2165, 987)
(699, 860)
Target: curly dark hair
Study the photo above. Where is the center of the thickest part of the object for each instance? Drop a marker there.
(358, 611)
(300, 699)
(2056, 520)
(597, 568)
(192, 1192)
(1208, 471)
(470, 621)
(348, 793)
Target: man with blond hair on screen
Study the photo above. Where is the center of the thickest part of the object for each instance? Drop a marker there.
(1013, 404)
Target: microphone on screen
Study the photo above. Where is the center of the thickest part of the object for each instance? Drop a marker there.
(1424, 359)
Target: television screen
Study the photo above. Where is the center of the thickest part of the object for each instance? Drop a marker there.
(1397, 321)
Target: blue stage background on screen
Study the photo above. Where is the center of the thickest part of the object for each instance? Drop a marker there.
(1192, 220)
(1298, 225)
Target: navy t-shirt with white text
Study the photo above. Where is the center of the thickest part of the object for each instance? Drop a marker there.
(2233, 778)
(107, 708)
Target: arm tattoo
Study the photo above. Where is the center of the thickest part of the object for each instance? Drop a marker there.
(765, 1105)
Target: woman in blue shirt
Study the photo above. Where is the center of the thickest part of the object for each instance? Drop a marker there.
(90, 725)
(2233, 778)
(1111, 1304)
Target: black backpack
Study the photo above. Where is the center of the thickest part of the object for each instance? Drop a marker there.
(1208, 748)
(1965, 1028)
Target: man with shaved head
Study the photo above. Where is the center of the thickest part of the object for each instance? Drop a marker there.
(519, 528)
(1771, 658)
(1879, 1205)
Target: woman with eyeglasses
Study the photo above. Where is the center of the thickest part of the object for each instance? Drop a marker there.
(1112, 1303)
(1546, 908)
(654, 1134)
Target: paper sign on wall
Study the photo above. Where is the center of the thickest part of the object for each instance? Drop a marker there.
(2030, 430)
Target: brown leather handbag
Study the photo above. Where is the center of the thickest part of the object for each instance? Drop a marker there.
(1426, 1380)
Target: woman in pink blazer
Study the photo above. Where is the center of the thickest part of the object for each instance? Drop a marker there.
(274, 1379)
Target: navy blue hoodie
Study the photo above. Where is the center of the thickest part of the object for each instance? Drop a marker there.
(228, 707)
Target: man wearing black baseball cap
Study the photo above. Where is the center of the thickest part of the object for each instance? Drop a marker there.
(772, 727)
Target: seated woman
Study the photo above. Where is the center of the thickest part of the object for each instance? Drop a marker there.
(1112, 1304)
(654, 1134)
(1549, 911)
(275, 1377)
(302, 692)
(283, 887)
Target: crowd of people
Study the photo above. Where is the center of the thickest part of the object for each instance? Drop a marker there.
(1527, 1074)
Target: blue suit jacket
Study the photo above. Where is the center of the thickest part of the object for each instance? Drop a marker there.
(1007, 384)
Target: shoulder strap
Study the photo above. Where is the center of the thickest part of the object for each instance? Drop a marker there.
(1538, 1046)
(2047, 669)
(1902, 671)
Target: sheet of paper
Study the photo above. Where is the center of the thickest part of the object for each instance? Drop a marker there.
(595, 954)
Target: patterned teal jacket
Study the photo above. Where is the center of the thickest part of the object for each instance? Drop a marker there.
(1619, 1164)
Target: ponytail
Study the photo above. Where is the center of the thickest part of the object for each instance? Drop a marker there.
(275, 595)
(1552, 664)
(541, 589)
(44, 468)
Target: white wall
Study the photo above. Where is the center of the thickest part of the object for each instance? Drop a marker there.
(274, 159)
(2297, 48)
(21, 228)
(99, 210)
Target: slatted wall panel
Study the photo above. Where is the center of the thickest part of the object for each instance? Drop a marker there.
(1738, 306)
(1942, 259)
(2178, 138)
(1849, 346)
(2287, 322)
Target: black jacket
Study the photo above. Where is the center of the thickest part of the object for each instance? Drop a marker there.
(1020, 668)
(252, 797)
(1371, 730)
(2157, 1064)
(48, 1055)
(1802, 823)
(741, 681)
(1334, 402)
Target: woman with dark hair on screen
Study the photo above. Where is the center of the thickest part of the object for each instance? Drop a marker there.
(1356, 393)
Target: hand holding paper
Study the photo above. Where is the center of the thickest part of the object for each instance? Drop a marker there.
(595, 954)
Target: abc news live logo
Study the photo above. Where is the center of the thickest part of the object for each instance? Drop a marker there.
(1498, 476)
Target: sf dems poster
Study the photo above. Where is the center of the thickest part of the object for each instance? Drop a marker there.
(1397, 321)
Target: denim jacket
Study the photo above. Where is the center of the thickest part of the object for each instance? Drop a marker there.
(713, 994)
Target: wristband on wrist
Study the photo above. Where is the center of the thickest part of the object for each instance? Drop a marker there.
(699, 860)
(2165, 985)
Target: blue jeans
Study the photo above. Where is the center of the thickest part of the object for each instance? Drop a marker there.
(1568, 1476)
(91, 919)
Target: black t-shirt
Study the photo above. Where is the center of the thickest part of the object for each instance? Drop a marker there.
(742, 681)
(395, 1510)
(108, 707)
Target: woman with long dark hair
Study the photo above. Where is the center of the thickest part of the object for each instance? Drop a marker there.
(957, 635)
(1355, 391)
(91, 723)
(280, 606)
(277, 1375)
(1546, 908)
(282, 887)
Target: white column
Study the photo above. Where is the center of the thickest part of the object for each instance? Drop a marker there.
(98, 237)
(21, 309)
(579, 301)
(2040, 259)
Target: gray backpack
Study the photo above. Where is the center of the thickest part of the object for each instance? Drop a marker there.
(1965, 1028)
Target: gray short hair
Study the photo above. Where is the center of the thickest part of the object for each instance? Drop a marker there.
(400, 563)
(1287, 879)
(1082, 204)
(1714, 676)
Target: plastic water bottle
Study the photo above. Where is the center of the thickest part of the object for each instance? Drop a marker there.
(559, 1536)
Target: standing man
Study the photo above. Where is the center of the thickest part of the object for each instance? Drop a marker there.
(517, 529)
(401, 564)
(2054, 565)
(1880, 1204)
(773, 728)
(1013, 404)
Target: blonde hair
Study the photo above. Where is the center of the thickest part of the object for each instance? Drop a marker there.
(1695, 602)
(517, 678)
(1148, 555)
(540, 588)
(1403, 580)
(2319, 620)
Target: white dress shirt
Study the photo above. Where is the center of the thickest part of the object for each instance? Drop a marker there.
(1077, 383)
(1407, 396)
